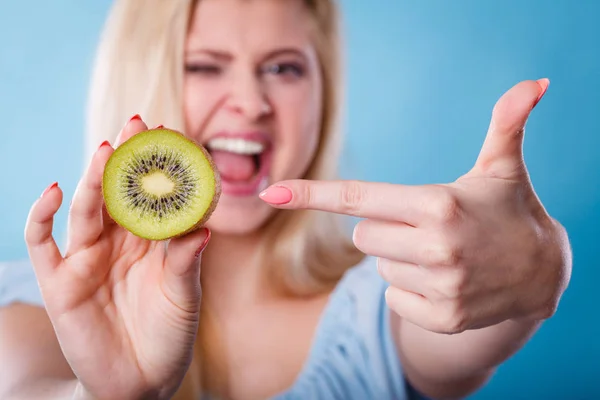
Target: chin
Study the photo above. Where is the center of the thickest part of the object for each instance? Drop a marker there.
(239, 216)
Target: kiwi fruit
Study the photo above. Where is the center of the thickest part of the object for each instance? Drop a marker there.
(159, 185)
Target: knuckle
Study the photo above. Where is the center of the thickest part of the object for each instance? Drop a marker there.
(453, 285)
(516, 134)
(452, 319)
(443, 255)
(548, 312)
(33, 235)
(306, 199)
(83, 211)
(446, 209)
(28, 235)
(548, 308)
(352, 197)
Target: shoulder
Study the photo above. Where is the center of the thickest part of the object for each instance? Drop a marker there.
(361, 292)
(353, 354)
(363, 278)
(18, 284)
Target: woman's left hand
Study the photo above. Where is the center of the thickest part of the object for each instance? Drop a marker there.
(463, 255)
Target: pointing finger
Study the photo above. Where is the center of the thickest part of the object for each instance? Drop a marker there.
(361, 199)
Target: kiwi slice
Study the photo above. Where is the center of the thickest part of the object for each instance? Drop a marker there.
(159, 185)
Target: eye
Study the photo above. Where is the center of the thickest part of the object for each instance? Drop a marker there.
(285, 69)
(206, 69)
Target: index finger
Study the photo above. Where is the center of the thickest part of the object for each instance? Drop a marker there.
(134, 126)
(385, 201)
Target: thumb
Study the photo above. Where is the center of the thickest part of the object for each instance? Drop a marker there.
(181, 274)
(501, 155)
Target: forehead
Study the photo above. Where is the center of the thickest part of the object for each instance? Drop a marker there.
(238, 25)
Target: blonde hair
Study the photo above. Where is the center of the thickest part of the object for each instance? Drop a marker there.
(139, 69)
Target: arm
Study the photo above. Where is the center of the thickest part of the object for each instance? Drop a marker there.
(32, 362)
(445, 366)
(469, 258)
(453, 366)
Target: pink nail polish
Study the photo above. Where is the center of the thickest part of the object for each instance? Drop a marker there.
(543, 83)
(49, 188)
(204, 243)
(276, 195)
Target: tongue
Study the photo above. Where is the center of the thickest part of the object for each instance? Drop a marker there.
(233, 167)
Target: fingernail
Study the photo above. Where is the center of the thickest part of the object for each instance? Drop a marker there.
(159, 126)
(49, 188)
(204, 243)
(276, 195)
(105, 143)
(135, 117)
(543, 83)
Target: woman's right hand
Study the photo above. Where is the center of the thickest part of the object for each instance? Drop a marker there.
(125, 311)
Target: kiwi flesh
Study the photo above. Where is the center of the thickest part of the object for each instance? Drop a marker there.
(159, 185)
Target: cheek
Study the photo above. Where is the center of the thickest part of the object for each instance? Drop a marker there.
(299, 122)
(199, 101)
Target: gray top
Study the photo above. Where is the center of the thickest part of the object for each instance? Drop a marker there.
(353, 356)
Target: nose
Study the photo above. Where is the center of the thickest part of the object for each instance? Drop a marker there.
(248, 97)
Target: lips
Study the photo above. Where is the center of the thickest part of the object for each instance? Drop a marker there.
(243, 161)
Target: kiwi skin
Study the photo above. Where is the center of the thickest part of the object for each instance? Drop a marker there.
(215, 200)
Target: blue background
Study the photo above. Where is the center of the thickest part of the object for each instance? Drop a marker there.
(422, 80)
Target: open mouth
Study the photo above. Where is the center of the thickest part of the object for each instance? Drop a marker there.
(242, 161)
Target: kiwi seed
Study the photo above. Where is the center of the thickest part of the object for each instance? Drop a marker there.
(160, 184)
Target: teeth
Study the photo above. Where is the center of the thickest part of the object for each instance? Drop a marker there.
(236, 145)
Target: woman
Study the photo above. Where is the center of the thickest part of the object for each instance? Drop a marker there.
(285, 305)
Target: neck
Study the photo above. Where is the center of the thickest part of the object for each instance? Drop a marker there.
(233, 270)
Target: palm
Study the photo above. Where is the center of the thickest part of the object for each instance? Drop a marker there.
(121, 306)
(109, 311)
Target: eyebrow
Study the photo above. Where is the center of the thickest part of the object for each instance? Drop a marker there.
(223, 55)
